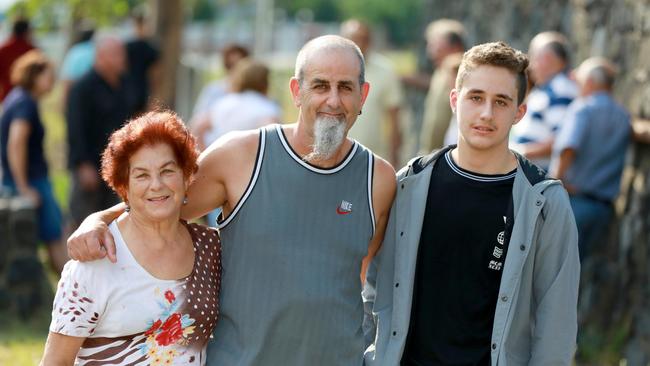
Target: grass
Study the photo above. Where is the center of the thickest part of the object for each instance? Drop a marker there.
(22, 342)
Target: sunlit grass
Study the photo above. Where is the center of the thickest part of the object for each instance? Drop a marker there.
(22, 342)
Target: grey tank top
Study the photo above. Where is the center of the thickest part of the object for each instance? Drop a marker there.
(291, 257)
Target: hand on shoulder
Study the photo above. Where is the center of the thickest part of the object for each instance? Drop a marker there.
(91, 241)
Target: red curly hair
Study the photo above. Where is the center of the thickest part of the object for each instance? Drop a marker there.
(147, 130)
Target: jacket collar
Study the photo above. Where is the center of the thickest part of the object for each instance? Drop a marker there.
(532, 172)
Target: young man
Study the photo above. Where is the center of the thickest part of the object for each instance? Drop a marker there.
(479, 264)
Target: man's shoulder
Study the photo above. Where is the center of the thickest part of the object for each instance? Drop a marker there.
(383, 169)
(238, 142)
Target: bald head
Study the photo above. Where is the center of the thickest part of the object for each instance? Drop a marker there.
(595, 74)
(444, 37)
(549, 55)
(358, 32)
(110, 56)
(327, 44)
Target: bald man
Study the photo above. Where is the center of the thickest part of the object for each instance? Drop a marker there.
(378, 128)
(589, 151)
(304, 210)
(547, 102)
(98, 103)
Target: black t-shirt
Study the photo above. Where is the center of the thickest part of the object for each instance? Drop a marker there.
(94, 110)
(460, 260)
(141, 55)
(19, 104)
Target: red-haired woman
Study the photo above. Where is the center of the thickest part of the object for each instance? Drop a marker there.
(158, 304)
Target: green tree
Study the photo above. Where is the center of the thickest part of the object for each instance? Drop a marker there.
(402, 19)
(102, 12)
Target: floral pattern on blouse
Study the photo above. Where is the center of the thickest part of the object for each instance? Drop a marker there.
(170, 329)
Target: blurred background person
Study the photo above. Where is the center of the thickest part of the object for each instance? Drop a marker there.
(230, 55)
(143, 64)
(589, 151)
(24, 168)
(18, 43)
(143, 310)
(79, 59)
(247, 107)
(98, 104)
(548, 101)
(445, 37)
(378, 127)
(451, 66)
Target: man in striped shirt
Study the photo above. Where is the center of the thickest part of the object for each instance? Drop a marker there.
(547, 102)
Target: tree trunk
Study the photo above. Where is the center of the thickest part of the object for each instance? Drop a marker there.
(168, 26)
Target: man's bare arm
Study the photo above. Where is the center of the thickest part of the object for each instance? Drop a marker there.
(384, 186)
(225, 168)
(230, 157)
(92, 240)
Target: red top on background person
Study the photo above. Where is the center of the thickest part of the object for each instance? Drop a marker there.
(15, 46)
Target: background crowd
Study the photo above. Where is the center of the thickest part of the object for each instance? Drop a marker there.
(576, 127)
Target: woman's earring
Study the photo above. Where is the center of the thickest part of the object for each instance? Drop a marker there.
(185, 200)
(128, 208)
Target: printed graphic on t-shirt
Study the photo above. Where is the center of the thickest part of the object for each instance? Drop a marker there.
(497, 263)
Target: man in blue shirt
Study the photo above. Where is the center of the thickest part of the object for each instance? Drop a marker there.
(589, 152)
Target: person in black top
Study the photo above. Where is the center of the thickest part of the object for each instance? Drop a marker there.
(98, 104)
(24, 169)
(142, 59)
(460, 259)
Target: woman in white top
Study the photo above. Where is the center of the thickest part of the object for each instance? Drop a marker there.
(247, 107)
(158, 304)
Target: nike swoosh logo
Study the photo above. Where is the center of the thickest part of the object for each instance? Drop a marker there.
(341, 212)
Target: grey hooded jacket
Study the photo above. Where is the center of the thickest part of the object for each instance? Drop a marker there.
(535, 322)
